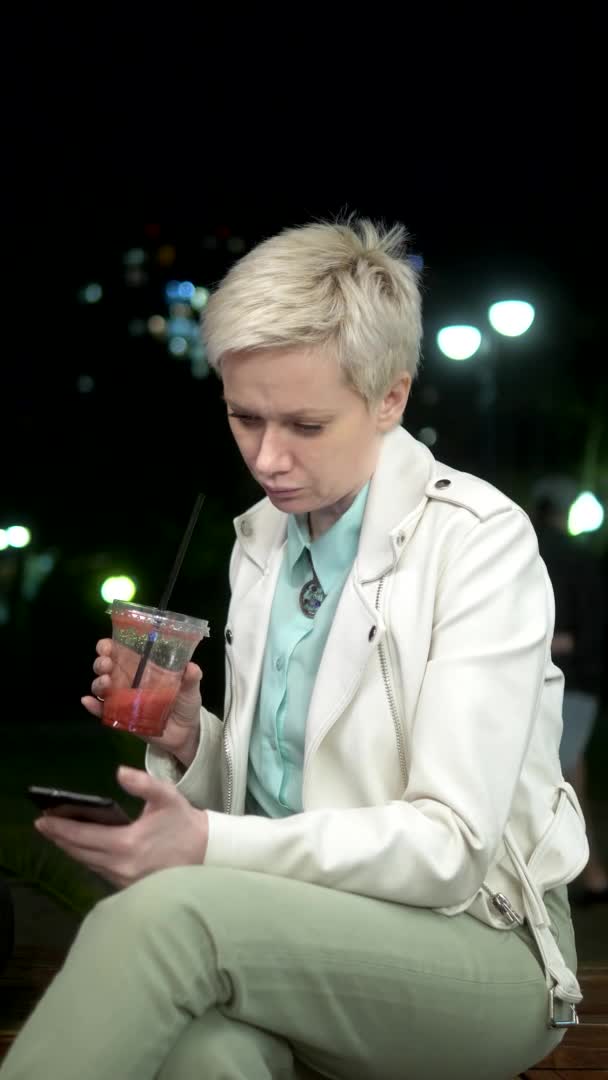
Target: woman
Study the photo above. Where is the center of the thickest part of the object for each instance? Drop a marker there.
(364, 867)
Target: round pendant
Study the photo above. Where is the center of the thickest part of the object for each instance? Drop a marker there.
(311, 597)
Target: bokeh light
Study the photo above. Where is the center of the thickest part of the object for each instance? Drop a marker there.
(178, 346)
(459, 342)
(199, 298)
(120, 587)
(586, 514)
(511, 317)
(91, 294)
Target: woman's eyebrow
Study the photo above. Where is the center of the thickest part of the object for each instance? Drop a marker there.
(296, 414)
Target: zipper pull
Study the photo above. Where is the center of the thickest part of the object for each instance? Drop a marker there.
(503, 904)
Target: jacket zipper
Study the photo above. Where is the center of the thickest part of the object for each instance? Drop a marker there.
(384, 667)
(228, 748)
(504, 906)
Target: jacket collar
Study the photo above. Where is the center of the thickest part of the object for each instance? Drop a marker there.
(396, 499)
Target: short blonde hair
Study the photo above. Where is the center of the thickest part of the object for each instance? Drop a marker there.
(346, 284)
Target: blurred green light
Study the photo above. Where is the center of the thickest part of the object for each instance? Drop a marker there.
(120, 587)
(18, 536)
(511, 317)
(199, 298)
(459, 342)
(92, 294)
(586, 514)
(3, 539)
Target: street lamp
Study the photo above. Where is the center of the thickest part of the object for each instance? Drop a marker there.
(585, 515)
(18, 536)
(509, 318)
(119, 587)
(459, 342)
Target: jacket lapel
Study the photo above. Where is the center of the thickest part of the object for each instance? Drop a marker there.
(355, 632)
(394, 506)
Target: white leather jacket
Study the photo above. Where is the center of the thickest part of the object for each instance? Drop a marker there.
(431, 772)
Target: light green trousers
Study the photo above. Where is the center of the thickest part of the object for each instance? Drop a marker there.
(198, 973)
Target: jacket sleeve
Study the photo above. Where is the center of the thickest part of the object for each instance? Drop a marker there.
(201, 781)
(473, 721)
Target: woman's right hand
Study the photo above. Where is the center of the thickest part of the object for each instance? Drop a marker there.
(181, 734)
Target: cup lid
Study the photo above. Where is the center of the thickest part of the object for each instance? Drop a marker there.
(168, 621)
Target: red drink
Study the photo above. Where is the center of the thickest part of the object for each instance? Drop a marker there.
(167, 640)
(140, 710)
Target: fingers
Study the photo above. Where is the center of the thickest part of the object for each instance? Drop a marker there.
(139, 783)
(191, 679)
(93, 706)
(103, 665)
(104, 647)
(100, 686)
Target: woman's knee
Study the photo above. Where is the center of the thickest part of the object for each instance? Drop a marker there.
(149, 905)
(215, 1047)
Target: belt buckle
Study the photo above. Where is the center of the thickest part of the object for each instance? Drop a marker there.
(572, 1022)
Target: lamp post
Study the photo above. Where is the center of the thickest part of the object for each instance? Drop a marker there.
(509, 318)
(14, 540)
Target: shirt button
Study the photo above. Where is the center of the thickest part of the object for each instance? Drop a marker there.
(279, 663)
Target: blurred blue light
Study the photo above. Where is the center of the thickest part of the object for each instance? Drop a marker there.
(186, 290)
(172, 290)
(178, 346)
(181, 327)
(91, 294)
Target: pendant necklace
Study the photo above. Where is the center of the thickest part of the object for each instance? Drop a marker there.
(311, 593)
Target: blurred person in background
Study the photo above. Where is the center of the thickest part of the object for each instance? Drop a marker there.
(577, 647)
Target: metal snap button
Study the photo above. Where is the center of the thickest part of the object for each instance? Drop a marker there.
(372, 633)
(228, 636)
(443, 483)
(246, 528)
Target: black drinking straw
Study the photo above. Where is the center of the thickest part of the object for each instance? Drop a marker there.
(164, 600)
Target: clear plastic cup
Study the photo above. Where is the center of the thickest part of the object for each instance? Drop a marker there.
(144, 709)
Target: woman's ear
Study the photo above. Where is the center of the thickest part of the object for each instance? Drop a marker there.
(390, 409)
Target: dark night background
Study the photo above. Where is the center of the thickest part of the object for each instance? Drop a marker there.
(191, 140)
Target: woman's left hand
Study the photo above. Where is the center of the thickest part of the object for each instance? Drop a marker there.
(168, 832)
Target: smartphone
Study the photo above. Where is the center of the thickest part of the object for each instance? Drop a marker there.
(78, 806)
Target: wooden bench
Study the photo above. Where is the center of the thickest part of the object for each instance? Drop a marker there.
(582, 1055)
(22, 983)
(583, 1052)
